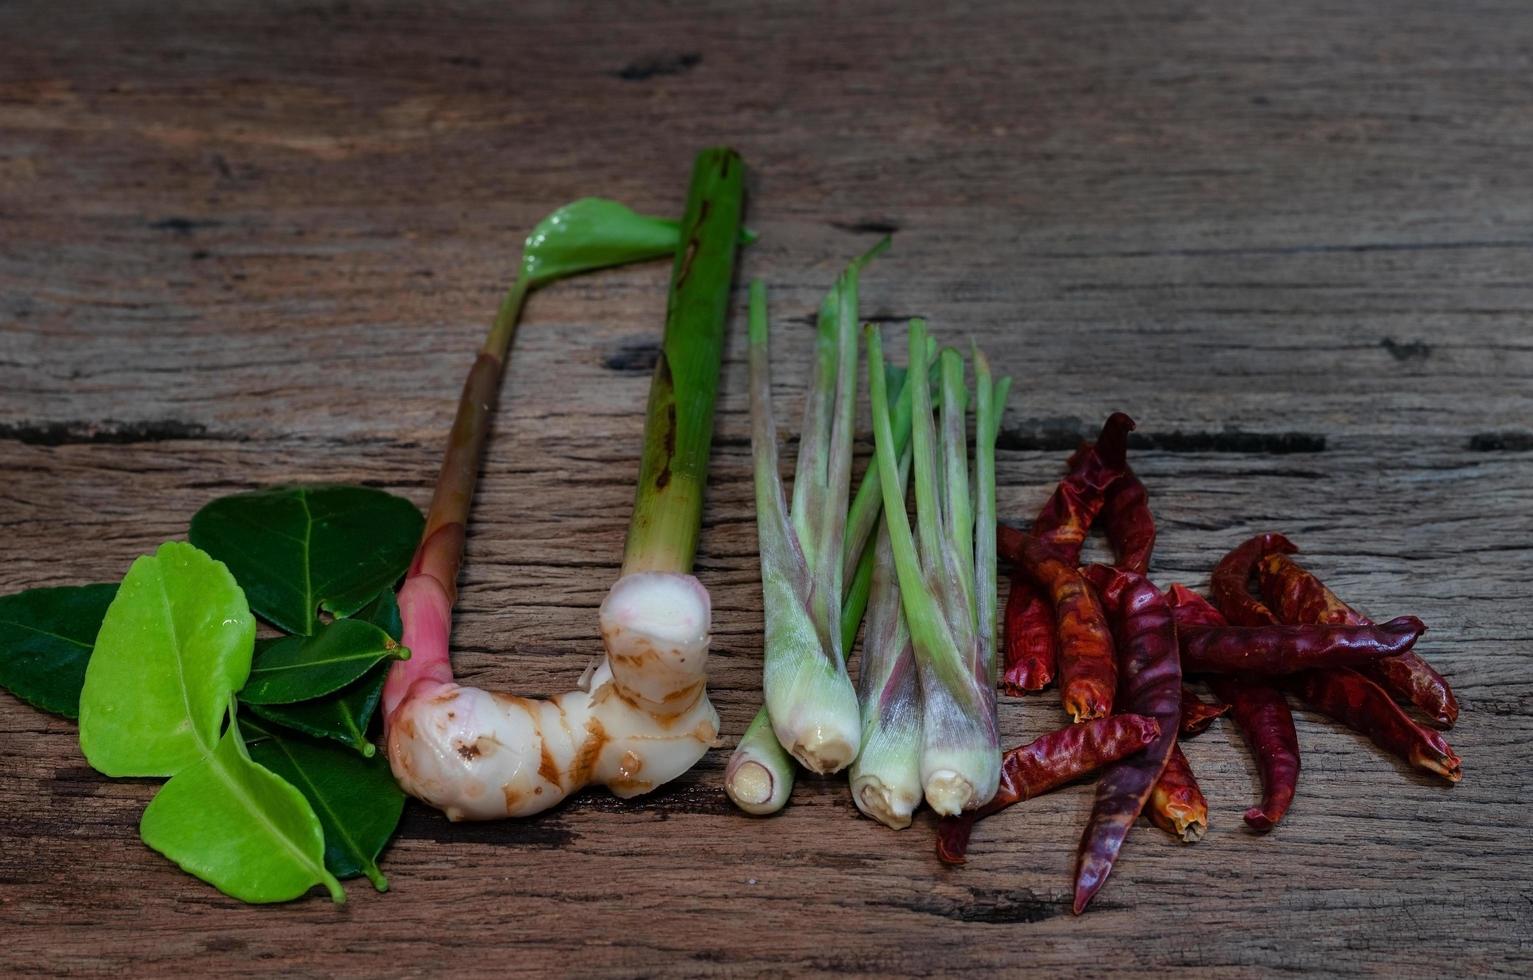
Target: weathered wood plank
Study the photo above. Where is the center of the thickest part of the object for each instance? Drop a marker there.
(249, 244)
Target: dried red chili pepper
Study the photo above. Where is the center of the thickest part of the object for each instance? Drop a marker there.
(1191, 610)
(1298, 596)
(1263, 717)
(1176, 804)
(1151, 685)
(1046, 763)
(1066, 516)
(1129, 524)
(1259, 711)
(1364, 706)
(1088, 673)
(1268, 650)
(1232, 576)
(1197, 714)
(1031, 651)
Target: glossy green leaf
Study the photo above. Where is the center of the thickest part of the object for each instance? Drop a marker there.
(298, 549)
(383, 612)
(593, 233)
(342, 716)
(175, 643)
(240, 827)
(46, 637)
(299, 668)
(356, 799)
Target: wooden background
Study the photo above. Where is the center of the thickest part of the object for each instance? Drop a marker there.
(248, 244)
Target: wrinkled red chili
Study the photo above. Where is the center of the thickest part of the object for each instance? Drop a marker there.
(1263, 717)
(1151, 685)
(1364, 706)
(1270, 650)
(1197, 714)
(1129, 524)
(1259, 711)
(1066, 516)
(1298, 596)
(1176, 804)
(1046, 763)
(1088, 672)
(1230, 583)
(1031, 651)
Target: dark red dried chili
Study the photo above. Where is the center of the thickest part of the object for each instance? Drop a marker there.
(1031, 654)
(1176, 804)
(1298, 596)
(1197, 714)
(1066, 516)
(1046, 763)
(1230, 583)
(1191, 610)
(1364, 706)
(1129, 524)
(1262, 715)
(1259, 711)
(1151, 685)
(1088, 673)
(1269, 650)
(1031, 651)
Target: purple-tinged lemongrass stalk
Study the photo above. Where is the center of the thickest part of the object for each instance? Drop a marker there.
(886, 776)
(947, 582)
(760, 773)
(809, 695)
(644, 716)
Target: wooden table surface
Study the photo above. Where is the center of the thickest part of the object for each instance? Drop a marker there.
(248, 244)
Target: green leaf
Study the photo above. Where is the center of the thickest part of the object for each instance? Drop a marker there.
(593, 233)
(299, 668)
(383, 612)
(356, 799)
(342, 716)
(175, 643)
(297, 549)
(46, 637)
(239, 827)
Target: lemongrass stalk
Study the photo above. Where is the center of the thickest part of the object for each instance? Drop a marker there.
(886, 776)
(960, 755)
(760, 773)
(809, 694)
(644, 716)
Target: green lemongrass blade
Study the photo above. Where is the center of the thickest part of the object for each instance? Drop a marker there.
(782, 560)
(810, 473)
(928, 477)
(678, 425)
(808, 694)
(991, 398)
(862, 518)
(833, 523)
(760, 774)
(868, 501)
(855, 603)
(886, 778)
(928, 629)
(956, 504)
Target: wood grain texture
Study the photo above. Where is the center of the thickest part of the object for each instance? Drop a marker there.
(246, 244)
